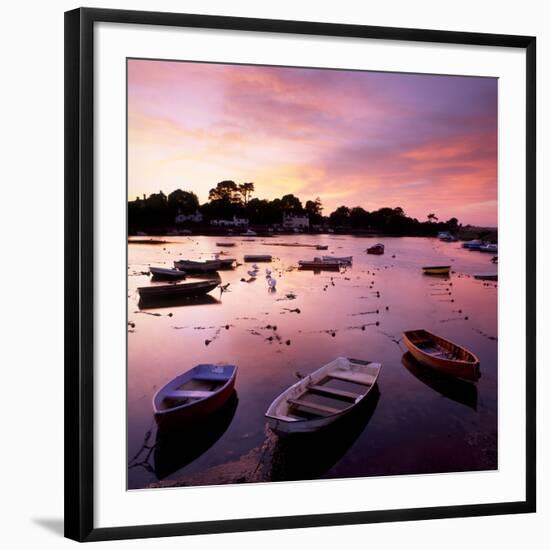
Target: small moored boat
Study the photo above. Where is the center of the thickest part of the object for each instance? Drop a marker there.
(177, 290)
(436, 269)
(166, 273)
(193, 266)
(225, 244)
(319, 264)
(344, 260)
(486, 276)
(324, 397)
(322, 247)
(376, 249)
(489, 248)
(257, 257)
(227, 263)
(473, 244)
(442, 355)
(193, 395)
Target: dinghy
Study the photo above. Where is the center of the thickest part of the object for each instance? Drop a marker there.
(319, 264)
(344, 260)
(473, 244)
(166, 273)
(436, 269)
(376, 249)
(322, 398)
(486, 276)
(193, 266)
(193, 395)
(177, 290)
(322, 247)
(442, 355)
(489, 248)
(225, 244)
(257, 257)
(227, 263)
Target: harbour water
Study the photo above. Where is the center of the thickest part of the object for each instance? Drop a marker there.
(416, 423)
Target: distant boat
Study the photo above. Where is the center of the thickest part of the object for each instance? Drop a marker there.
(225, 244)
(177, 290)
(376, 249)
(446, 237)
(486, 276)
(319, 264)
(473, 244)
(441, 354)
(198, 267)
(343, 260)
(324, 397)
(249, 233)
(167, 273)
(257, 257)
(194, 395)
(490, 248)
(322, 247)
(436, 269)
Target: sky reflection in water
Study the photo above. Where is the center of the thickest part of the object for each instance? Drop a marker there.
(418, 423)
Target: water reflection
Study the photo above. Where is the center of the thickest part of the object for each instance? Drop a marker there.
(311, 319)
(156, 303)
(309, 456)
(176, 449)
(458, 390)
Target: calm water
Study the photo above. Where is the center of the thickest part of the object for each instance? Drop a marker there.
(417, 423)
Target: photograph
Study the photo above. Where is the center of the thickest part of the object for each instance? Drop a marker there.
(312, 273)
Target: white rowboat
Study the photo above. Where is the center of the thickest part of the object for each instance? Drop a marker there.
(325, 396)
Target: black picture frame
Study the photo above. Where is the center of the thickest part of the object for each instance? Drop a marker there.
(79, 269)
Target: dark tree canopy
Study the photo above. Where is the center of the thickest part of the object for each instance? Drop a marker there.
(183, 202)
(228, 199)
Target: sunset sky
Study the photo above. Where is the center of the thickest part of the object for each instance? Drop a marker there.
(425, 143)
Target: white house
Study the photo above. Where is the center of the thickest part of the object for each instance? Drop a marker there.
(235, 222)
(295, 222)
(194, 218)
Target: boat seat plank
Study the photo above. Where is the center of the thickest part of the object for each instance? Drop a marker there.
(188, 394)
(356, 378)
(314, 406)
(333, 392)
(213, 377)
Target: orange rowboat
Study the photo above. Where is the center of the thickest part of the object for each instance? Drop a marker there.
(442, 355)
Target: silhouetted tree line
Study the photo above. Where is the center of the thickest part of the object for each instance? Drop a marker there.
(157, 212)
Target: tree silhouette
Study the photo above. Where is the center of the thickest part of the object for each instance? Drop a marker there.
(246, 189)
(432, 217)
(183, 202)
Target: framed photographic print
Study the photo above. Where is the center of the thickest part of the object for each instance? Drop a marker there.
(300, 274)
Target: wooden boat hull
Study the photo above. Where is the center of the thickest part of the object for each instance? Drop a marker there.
(343, 260)
(442, 355)
(486, 276)
(177, 290)
(225, 244)
(377, 249)
(320, 266)
(192, 410)
(197, 267)
(227, 263)
(437, 270)
(163, 274)
(258, 257)
(288, 413)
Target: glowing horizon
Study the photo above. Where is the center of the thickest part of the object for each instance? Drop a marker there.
(426, 143)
